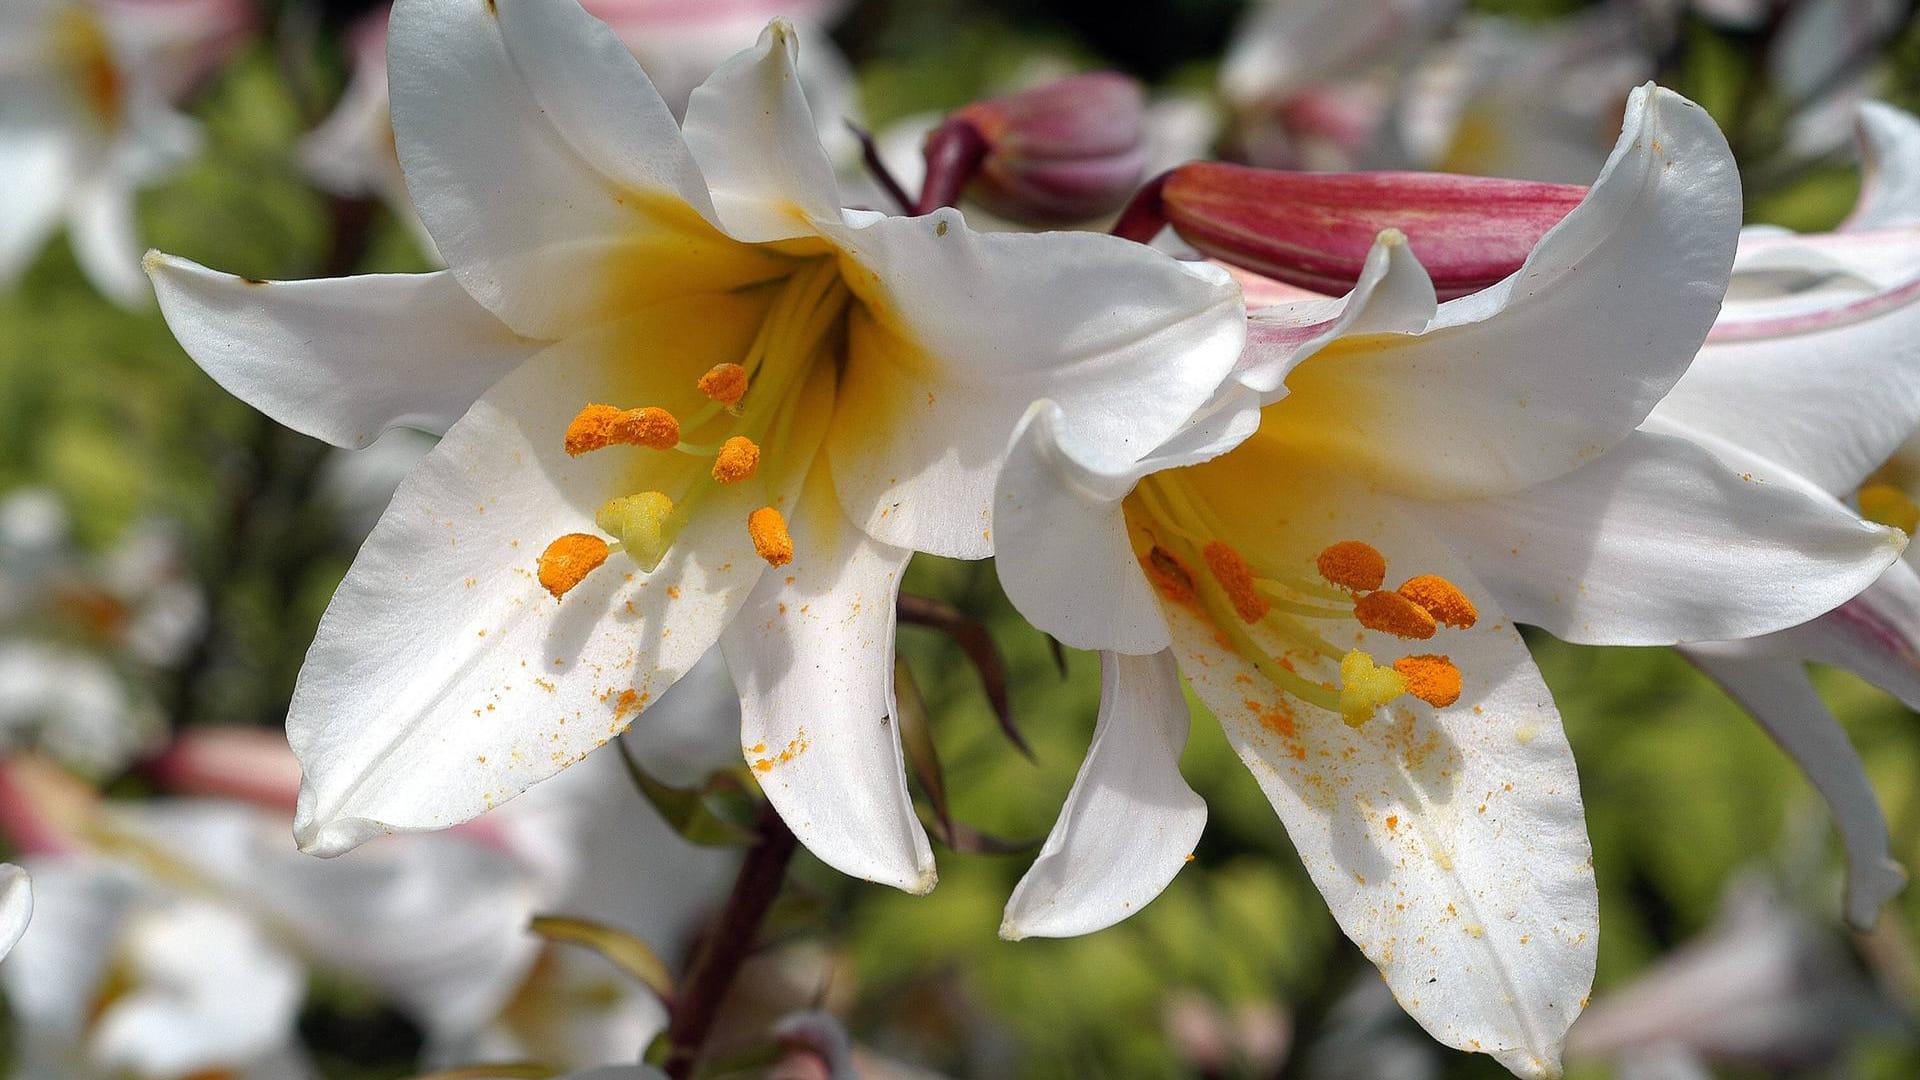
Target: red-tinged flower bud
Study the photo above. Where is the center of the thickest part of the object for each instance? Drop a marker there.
(1314, 230)
(1068, 151)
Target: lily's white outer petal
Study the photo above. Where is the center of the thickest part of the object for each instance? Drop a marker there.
(1890, 152)
(972, 328)
(36, 171)
(1660, 542)
(1130, 823)
(812, 654)
(16, 906)
(1394, 295)
(1875, 635)
(340, 359)
(101, 229)
(1778, 694)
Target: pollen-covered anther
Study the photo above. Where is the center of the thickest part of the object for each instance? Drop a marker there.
(597, 427)
(738, 460)
(1432, 679)
(1392, 613)
(725, 383)
(1365, 686)
(568, 560)
(1170, 575)
(1236, 579)
(1441, 599)
(771, 541)
(1351, 564)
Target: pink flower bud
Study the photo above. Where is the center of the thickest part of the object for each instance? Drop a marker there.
(1068, 151)
(1313, 230)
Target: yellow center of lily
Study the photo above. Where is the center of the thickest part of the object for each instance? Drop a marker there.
(83, 49)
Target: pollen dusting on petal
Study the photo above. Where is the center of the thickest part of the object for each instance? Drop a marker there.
(1351, 564)
(568, 560)
(597, 427)
(738, 460)
(1432, 679)
(1391, 613)
(770, 537)
(1365, 686)
(1169, 575)
(1236, 578)
(1442, 599)
(1884, 504)
(642, 524)
(725, 383)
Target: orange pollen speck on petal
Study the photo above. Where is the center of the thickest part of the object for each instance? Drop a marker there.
(1441, 599)
(568, 560)
(1170, 575)
(597, 427)
(1432, 679)
(1351, 564)
(1391, 613)
(1236, 577)
(725, 383)
(770, 537)
(739, 459)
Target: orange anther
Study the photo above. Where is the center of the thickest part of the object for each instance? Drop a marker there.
(739, 458)
(1170, 575)
(1432, 679)
(597, 427)
(1236, 578)
(1351, 564)
(1442, 599)
(568, 560)
(1391, 613)
(770, 537)
(725, 383)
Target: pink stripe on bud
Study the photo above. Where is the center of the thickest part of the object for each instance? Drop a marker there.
(248, 764)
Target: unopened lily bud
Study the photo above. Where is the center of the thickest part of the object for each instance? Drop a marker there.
(1067, 151)
(1314, 230)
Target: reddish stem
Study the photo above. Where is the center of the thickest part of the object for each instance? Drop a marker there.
(1146, 212)
(954, 153)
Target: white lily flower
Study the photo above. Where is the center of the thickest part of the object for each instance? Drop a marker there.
(16, 906)
(86, 121)
(614, 281)
(1484, 450)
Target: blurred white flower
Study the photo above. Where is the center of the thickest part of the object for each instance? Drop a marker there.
(73, 705)
(16, 906)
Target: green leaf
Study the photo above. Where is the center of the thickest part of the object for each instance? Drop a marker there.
(625, 951)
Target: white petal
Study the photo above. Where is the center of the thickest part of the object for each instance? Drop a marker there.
(1890, 157)
(1531, 377)
(55, 972)
(692, 732)
(16, 905)
(444, 680)
(812, 654)
(1787, 383)
(340, 359)
(547, 169)
(1394, 295)
(1778, 694)
(36, 171)
(1658, 542)
(1450, 843)
(106, 244)
(1875, 635)
(751, 130)
(1130, 823)
(961, 331)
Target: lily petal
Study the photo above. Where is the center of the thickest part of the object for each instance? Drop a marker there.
(1890, 162)
(16, 905)
(340, 359)
(1393, 295)
(1659, 542)
(444, 680)
(812, 654)
(36, 171)
(1778, 694)
(1129, 343)
(1875, 635)
(751, 129)
(1130, 823)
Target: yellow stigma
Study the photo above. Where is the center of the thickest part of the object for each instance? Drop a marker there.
(597, 427)
(1365, 686)
(1885, 504)
(770, 537)
(738, 460)
(725, 383)
(568, 560)
(643, 523)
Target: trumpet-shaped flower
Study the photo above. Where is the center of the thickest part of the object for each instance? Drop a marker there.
(686, 399)
(1334, 554)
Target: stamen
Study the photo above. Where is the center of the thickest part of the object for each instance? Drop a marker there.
(597, 427)
(568, 560)
(738, 460)
(1432, 679)
(725, 383)
(770, 537)
(1365, 686)
(1441, 599)
(1353, 565)
(1236, 578)
(1391, 613)
(1885, 504)
(1170, 575)
(643, 524)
